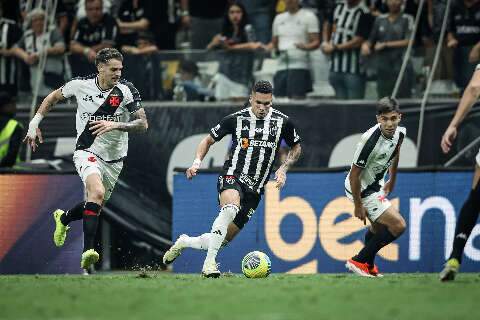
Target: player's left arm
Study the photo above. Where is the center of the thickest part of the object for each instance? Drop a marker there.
(139, 124)
(392, 174)
(293, 140)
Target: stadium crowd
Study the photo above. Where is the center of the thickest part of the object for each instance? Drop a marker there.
(186, 50)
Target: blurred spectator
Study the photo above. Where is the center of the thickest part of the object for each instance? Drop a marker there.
(388, 39)
(82, 12)
(139, 57)
(132, 18)
(61, 18)
(351, 26)
(36, 42)
(260, 13)
(164, 24)
(192, 85)
(236, 61)
(325, 11)
(295, 33)
(464, 37)
(10, 33)
(11, 131)
(203, 20)
(96, 31)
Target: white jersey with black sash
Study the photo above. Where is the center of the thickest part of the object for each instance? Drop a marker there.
(255, 142)
(115, 104)
(374, 154)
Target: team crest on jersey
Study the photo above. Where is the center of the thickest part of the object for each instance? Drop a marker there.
(230, 179)
(92, 159)
(245, 143)
(114, 100)
(273, 131)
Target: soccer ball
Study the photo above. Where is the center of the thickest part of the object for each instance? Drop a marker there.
(256, 264)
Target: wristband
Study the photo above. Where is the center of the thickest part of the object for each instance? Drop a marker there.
(33, 125)
(196, 163)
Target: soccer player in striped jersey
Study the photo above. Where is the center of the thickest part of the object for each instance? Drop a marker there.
(108, 109)
(257, 132)
(377, 152)
(471, 208)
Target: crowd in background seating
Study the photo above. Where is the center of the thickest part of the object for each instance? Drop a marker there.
(307, 47)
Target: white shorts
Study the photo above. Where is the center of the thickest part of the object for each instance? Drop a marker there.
(375, 204)
(477, 158)
(87, 163)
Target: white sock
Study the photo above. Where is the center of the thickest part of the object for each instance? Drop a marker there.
(199, 243)
(219, 229)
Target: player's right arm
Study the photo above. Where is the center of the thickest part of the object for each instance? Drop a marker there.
(33, 130)
(470, 96)
(355, 187)
(202, 150)
(226, 126)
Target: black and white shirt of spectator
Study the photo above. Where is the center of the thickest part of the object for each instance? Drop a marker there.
(133, 17)
(36, 42)
(96, 31)
(82, 13)
(349, 22)
(10, 34)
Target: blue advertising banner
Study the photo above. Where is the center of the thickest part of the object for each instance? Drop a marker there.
(308, 226)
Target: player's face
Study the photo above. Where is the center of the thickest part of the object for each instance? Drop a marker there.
(389, 122)
(111, 71)
(261, 104)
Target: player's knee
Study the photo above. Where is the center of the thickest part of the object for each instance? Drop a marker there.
(229, 211)
(399, 227)
(96, 194)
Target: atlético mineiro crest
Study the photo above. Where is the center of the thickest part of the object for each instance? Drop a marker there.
(114, 101)
(92, 159)
(230, 179)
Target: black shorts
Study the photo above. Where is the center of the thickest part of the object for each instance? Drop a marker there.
(248, 200)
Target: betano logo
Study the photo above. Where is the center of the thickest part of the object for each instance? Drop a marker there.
(329, 233)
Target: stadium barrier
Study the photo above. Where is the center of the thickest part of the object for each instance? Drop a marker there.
(26, 224)
(308, 226)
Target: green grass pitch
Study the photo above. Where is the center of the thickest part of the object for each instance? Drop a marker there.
(169, 296)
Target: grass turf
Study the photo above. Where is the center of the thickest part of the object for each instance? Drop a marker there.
(170, 296)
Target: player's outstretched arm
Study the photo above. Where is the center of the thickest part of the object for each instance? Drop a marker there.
(139, 124)
(34, 131)
(202, 150)
(471, 94)
(292, 157)
(360, 211)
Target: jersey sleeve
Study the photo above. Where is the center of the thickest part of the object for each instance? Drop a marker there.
(290, 134)
(68, 89)
(363, 151)
(133, 100)
(312, 23)
(224, 127)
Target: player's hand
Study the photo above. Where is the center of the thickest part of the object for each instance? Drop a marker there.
(380, 46)
(452, 43)
(31, 138)
(280, 178)
(474, 55)
(448, 138)
(102, 126)
(191, 172)
(327, 47)
(365, 50)
(388, 188)
(361, 213)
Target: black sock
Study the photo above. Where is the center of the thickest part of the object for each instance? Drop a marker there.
(74, 214)
(465, 223)
(377, 242)
(90, 222)
(368, 236)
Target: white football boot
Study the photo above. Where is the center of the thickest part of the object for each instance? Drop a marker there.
(210, 269)
(174, 250)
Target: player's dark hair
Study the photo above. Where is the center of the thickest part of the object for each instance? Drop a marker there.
(387, 104)
(107, 54)
(263, 86)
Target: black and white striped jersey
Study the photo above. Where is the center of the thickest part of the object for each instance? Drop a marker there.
(255, 143)
(10, 34)
(95, 104)
(375, 154)
(349, 22)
